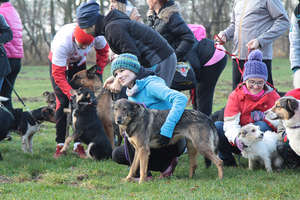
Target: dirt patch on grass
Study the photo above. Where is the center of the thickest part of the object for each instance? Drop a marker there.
(4, 179)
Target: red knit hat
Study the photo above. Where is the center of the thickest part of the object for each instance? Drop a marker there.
(82, 37)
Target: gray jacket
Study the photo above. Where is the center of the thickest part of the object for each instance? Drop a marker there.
(262, 19)
(294, 37)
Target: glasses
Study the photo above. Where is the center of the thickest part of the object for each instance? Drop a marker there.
(258, 83)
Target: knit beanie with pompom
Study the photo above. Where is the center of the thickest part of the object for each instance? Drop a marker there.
(254, 67)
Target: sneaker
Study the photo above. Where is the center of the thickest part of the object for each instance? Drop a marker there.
(57, 153)
(80, 151)
(169, 171)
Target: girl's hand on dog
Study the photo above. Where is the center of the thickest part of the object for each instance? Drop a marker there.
(112, 85)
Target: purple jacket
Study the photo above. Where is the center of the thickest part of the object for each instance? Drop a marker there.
(14, 48)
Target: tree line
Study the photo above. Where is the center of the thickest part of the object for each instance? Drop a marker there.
(42, 19)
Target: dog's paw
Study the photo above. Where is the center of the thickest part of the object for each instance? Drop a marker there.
(128, 179)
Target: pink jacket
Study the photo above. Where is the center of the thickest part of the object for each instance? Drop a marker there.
(14, 48)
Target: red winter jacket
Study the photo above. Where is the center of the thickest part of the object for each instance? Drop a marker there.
(294, 93)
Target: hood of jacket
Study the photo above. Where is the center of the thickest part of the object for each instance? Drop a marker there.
(168, 10)
(111, 16)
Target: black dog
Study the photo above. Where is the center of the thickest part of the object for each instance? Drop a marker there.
(6, 121)
(87, 125)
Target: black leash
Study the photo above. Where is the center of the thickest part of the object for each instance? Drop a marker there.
(19, 98)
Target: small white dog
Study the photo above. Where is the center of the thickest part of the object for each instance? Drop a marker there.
(259, 146)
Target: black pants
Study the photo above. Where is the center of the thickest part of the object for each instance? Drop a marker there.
(159, 159)
(62, 102)
(6, 91)
(207, 78)
(236, 74)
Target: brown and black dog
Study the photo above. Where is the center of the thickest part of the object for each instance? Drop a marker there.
(90, 79)
(142, 126)
(87, 126)
(288, 110)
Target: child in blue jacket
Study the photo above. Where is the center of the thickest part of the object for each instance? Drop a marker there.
(150, 90)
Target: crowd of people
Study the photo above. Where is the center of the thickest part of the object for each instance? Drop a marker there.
(144, 57)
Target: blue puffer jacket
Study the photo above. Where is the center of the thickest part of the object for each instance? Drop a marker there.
(153, 92)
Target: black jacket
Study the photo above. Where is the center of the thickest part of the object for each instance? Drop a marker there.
(5, 36)
(126, 36)
(170, 24)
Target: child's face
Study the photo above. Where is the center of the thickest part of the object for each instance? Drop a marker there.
(125, 77)
(255, 85)
(90, 30)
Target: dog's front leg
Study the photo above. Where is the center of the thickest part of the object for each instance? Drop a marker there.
(268, 165)
(67, 143)
(134, 166)
(251, 164)
(144, 159)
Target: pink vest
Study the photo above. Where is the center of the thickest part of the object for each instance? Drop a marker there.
(200, 33)
(14, 48)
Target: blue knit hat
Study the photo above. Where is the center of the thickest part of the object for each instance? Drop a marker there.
(87, 14)
(254, 67)
(126, 61)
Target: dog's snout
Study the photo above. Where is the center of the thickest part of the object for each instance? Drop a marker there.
(119, 120)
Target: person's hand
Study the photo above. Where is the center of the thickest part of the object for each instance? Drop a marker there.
(221, 37)
(163, 140)
(108, 82)
(253, 44)
(257, 115)
(113, 85)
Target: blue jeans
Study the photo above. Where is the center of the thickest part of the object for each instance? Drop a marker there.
(226, 149)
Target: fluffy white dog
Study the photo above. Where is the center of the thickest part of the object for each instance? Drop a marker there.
(260, 147)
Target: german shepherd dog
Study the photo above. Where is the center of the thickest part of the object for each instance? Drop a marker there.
(87, 126)
(142, 126)
(90, 79)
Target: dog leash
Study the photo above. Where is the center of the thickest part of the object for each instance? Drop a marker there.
(19, 98)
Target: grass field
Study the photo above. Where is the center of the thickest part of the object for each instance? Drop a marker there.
(40, 176)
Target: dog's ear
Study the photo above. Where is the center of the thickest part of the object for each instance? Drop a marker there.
(292, 104)
(46, 93)
(92, 70)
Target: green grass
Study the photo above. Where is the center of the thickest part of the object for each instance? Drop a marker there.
(40, 176)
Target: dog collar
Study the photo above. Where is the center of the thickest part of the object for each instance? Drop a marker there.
(294, 127)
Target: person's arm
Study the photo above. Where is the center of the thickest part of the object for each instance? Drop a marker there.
(59, 67)
(280, 25)
(102, 58)
(120, 40)
(178, 100)
(294, 37)
(232, 116)
(182, 32)
(59, 76)
(6, 33)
